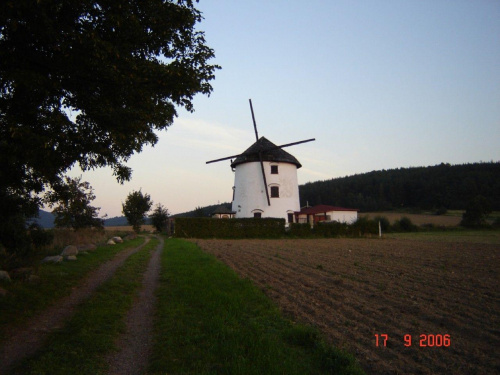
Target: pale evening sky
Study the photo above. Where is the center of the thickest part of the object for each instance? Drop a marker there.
(380, 84)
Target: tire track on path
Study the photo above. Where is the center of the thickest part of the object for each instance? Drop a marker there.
(24, 342)
(136, 343)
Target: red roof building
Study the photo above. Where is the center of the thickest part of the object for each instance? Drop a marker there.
(324, 212)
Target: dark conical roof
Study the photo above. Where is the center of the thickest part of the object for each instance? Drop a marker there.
(270, 152)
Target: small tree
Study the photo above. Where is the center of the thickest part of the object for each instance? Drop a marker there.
(159, 217)
(136, 207)
(477, 212)
(74, 210)
(199, 212)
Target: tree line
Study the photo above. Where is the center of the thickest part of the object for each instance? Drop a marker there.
(441, 187)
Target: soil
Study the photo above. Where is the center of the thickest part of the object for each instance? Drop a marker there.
(355, 289)
(26, 341)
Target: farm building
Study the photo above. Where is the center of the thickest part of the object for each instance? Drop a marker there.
(326, 213)
(223, 212)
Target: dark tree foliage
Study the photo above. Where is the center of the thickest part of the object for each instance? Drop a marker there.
(136, 207)
(88, 82)
(159, 217)
(476, 213)
(74, 210)
(436, 188)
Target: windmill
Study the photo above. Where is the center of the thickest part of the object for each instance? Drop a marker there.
(266, 155)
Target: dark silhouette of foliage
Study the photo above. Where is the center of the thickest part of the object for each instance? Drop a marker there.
(427, 188)
(476, 213)
(136, 207)
(74, 209)
(89, 83)
(159, 217)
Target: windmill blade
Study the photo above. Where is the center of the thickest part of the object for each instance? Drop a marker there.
(267, 149)
(254, 123)
(294, 143)
(264, 178)
(221, 159)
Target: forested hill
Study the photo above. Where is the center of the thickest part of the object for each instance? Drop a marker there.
(441, 186)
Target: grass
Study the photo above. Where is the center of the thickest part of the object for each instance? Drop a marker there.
(469, 236)
(24, 299)
(209, 320)
(80, 347)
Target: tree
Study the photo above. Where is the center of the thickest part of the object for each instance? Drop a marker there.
(476, 213)
(135, 208)
(87, 82)
(159, 217)
(199, 212)
(74, 209)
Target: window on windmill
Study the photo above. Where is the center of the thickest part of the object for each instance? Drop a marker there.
(274, 169)
(257, 215)
(275, 192)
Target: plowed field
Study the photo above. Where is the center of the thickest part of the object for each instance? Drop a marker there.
(354, 289)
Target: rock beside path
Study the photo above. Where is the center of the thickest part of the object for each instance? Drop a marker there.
(111, 242)
(69, 250)
(53, 259)
(117, 239)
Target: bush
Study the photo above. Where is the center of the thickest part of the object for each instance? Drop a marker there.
(40, 237)
(364, 226)
(476, 214)
(404, 225)
(300, 230)
(229, 228)
(331, 229)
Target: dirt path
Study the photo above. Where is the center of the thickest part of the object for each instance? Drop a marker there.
(25, 342)
(135, 344)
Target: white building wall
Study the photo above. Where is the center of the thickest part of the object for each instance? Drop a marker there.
(343, 216)
(249, 193)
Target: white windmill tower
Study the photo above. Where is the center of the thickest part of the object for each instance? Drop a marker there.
(265, 179)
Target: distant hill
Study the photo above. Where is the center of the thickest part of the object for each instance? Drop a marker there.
(46, 220)
(426, 188)
(202, 211)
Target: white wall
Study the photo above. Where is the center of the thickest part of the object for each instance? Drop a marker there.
(343, 216)
(249, 194)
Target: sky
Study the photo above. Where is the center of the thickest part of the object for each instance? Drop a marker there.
(380, 84)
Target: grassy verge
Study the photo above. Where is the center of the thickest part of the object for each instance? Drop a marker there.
(469, 236)
(24, 299)
(80, 347)
(211, 321)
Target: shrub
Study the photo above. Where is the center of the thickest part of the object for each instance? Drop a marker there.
(404, 225)
(364, 226)
(229, 228)
(300, 230)
(331, 229)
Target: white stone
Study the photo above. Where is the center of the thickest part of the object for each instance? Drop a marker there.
(117, 239)
(69, 250)
(111, 242)
(71, 257)
(52, 259)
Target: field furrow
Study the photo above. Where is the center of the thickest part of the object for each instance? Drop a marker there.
(354, 289)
